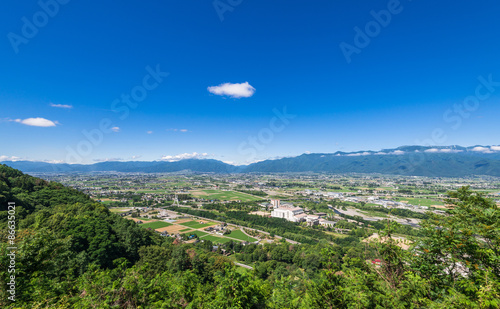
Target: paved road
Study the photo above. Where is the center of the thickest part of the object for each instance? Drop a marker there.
(243, 265)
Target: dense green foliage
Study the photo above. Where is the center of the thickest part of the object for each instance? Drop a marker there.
(73, 253)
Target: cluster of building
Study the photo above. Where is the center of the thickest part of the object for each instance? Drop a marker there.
(297, 214)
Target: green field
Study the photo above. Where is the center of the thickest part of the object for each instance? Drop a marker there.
(116, 210)
(214, 239)
(373, 213)
(337, 234)
(238, 234)
(229, 196)
(156, 225)
(199, 233)
(185, 230)
(421, 201)
(196, 224)
(107, 202)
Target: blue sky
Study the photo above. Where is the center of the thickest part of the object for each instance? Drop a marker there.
(406, 86)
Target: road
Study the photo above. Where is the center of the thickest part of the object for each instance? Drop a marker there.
(243, 265)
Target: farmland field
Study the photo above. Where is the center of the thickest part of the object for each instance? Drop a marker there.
(117, 210)
(226, 195)
(238, 234)
(422, 201)
(197, 224)
(219, 240)
(199, 233)
(156, 225)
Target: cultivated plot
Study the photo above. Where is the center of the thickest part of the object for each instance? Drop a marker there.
(197, 224)
(226, 195)
(238, 234)
(156, 225)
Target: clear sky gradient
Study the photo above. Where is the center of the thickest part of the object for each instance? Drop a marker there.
(402, 81)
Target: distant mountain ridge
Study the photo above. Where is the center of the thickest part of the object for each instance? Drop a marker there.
(438, 161)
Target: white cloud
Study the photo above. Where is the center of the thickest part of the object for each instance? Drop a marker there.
(359, 154)
(183, 156)
(9, 158)
(13, 158)
(136, 157)
(443, 150)
(61, 105)
(243, 90)
(495, 148)
(432, 150)
(53, 161)
(397, 152)
(179, 130)
(149, 132)
(308, 152)
(115, 129)
(448, 150)
(36, 122)
(108, 160)
(481, 149)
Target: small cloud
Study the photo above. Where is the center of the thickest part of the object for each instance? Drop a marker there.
(9, 158)
(236, 91)
(183, 156)
(54, 161)
(432, 150)
(178, 130)
(61, 105)
(495, 148)
(448, 150)
(136, 157)
(481, 149)
(149, 132)
(308, 152)
(358, 154)
(108, 160)
(397, 152)
(115, 129)
(37, 122)
(442, 150)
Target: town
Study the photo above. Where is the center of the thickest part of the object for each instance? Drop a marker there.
(225, 208)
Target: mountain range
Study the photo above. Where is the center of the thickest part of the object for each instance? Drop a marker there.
(433, 161)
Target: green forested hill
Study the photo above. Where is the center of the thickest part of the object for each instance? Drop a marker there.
(73, 253)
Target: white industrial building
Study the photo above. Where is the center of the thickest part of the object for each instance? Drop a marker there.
(275, 203)
(290, 213)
